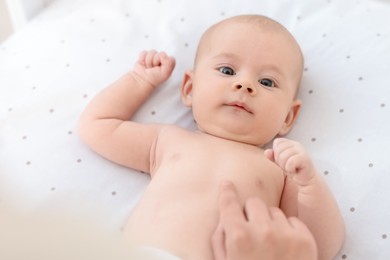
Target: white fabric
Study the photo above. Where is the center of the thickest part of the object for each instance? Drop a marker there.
(52, 68)
(151, 253)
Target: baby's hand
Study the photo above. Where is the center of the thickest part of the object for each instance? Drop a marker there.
(154, 67)
(293, 159)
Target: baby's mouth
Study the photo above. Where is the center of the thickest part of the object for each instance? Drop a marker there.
(240, 105)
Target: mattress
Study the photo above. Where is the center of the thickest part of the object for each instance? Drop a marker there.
(60, 200)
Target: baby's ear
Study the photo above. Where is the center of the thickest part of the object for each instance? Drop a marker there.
(291, 117)
(186, 88)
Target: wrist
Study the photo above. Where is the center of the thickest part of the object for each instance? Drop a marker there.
(307, 191)
(140, 81)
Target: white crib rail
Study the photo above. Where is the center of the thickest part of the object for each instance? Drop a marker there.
(21, 11)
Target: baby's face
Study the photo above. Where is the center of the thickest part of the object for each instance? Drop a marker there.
(244, 83)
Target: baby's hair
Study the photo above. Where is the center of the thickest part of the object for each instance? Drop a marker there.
(264, 22)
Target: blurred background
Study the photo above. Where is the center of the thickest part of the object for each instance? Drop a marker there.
(15, 13)
(5, 21)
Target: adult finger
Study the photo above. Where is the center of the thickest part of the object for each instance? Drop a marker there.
(218, 243)
(230, 209)
(256, 211)
(306, 237)
(298, 225)
(279, 218)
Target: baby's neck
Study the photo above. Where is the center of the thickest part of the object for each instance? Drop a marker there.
(216, 137)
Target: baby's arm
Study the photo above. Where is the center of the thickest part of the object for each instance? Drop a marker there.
(104, 124)
(307, 196)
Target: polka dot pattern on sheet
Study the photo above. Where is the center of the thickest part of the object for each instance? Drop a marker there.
(76, 48)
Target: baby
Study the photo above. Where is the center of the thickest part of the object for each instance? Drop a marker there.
(242, 91)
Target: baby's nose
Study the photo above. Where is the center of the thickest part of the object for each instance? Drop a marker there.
(245, 87)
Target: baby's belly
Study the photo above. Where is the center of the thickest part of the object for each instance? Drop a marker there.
(180, 214)
(182, 226)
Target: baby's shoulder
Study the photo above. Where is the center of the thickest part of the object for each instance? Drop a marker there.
(173, 130)
(171, 134)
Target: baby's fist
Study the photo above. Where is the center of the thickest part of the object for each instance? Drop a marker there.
(154, 67)
(293, 159)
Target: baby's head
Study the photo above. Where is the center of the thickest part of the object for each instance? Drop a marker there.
(246, 75)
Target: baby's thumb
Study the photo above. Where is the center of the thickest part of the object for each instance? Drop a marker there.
(168, 64)
(269, 153)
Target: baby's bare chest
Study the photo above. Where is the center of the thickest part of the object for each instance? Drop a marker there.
(182, 197)
(199, 163)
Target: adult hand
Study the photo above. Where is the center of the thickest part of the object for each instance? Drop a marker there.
(258, 232)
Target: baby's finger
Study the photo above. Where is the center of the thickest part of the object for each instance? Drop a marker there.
(293, 164)
(141, 57)
(150, 58)
(269, 153)
(167, 65)
(281, 144)
(279, 141)
(157, 59)
(282, 158)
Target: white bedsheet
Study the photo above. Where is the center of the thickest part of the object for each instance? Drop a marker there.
(54, 189)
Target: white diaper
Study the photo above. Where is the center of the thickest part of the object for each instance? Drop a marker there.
(151, 253)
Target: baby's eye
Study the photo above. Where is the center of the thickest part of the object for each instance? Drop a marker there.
(269, 83)
(227, 71)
